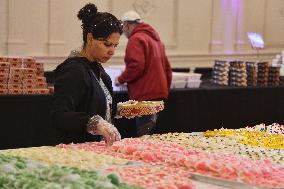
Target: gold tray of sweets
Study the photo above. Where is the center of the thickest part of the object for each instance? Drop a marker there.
(132, 108)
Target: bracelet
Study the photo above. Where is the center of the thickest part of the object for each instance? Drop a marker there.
(92, 124)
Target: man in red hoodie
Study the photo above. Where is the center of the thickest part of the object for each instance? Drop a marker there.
(148, 72)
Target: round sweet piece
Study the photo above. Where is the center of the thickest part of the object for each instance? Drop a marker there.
(132, 108)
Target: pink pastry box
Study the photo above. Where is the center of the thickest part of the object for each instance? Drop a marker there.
(3, 80)
(4, 70)
(3, 59)
(29, 76)
(41, 85)
(4, 65)
(15, 70)
(15, 86)
(3, 86)
(29, 63)
(29, 71)
(13, 80)
(29, 81)
(16, 76)
(15, 91)
(4, 75)
(41, 79)
(29, 86)
(15, 59)
(15, 62)
(35, 91)
(3, 91)
(40, 74)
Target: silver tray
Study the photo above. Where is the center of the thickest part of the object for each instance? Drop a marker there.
(196, 133)
(225, 183)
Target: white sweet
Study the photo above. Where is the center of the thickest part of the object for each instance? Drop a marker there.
(70, 178)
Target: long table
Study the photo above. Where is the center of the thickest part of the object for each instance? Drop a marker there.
(25, 120)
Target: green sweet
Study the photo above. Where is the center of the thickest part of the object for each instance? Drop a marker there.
(114, 179)
(21, 173)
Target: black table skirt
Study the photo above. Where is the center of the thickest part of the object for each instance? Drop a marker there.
(25, 120)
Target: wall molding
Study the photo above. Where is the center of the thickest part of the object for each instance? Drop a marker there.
(177, 60)
(16, 42)
(281, 11)
(274, 45)
(56, 42)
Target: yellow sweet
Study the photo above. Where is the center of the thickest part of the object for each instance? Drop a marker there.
(254, 138)
(67, 157)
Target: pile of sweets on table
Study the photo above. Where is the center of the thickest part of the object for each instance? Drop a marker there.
(251, 137)
(274, 128)
(67, 157)
(20, 173)
(143, 173)
(274, 76)
(133, 173)
(262, 73)
(157, 161)
(219, 165)
(22, 76)
(219, 144)
(251, 69)
(220, 72)
(238, 74)
(245, 73)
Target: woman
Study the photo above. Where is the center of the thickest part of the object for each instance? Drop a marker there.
(83, 91)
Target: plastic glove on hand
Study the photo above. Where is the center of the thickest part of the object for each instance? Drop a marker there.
(98, 126)
(109, 133)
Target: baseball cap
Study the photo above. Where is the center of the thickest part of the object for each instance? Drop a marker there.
(131, 16)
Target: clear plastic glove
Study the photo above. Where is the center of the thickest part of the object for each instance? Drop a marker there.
(98, 126)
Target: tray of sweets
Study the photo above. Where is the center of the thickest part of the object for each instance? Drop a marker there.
(196, 133)
(226, 183)
(132, 108)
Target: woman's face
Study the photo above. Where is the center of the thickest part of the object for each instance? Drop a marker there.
(101, 50)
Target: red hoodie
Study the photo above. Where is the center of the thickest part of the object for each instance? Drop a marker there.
(148, 72)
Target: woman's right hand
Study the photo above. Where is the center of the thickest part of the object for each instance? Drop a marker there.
(109, 132)
(98, 126)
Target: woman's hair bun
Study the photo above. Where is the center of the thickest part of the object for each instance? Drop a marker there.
(87, 13)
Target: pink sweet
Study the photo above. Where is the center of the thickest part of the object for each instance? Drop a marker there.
(155, 177)
(130, 149)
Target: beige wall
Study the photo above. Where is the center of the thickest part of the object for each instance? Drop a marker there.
(195, 32)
